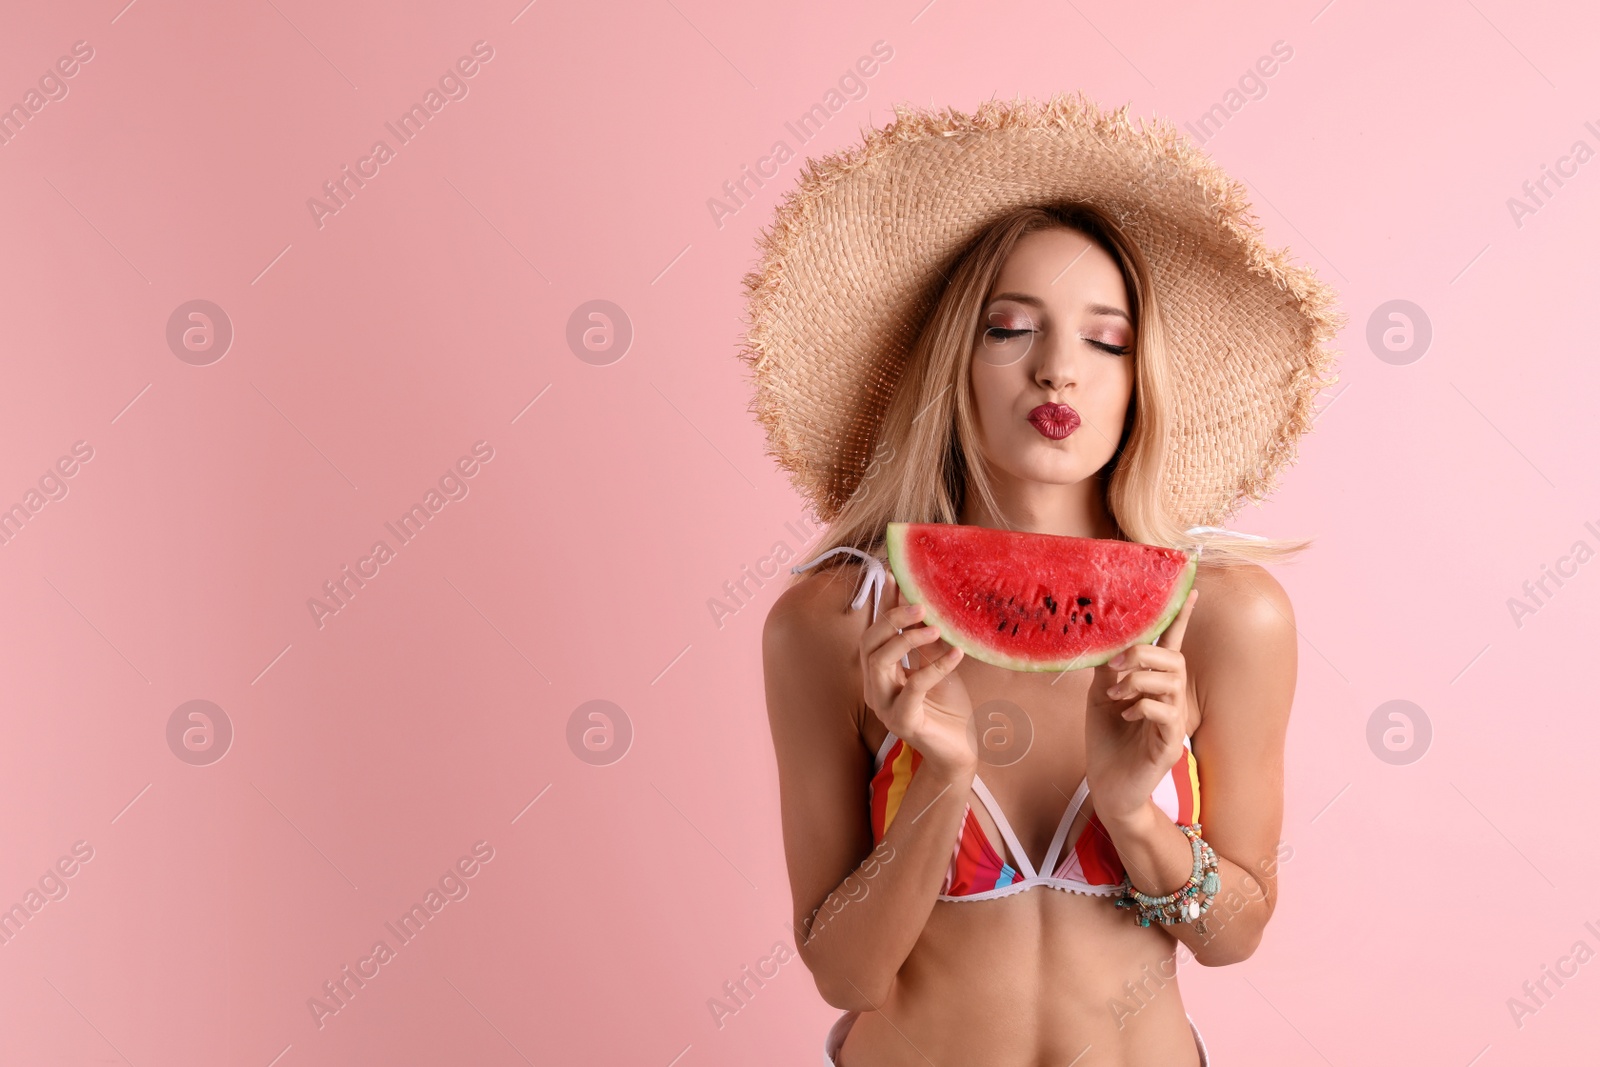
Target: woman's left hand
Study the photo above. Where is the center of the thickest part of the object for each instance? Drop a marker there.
(1136, 723)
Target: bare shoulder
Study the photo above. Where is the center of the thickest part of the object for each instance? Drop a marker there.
(1242, 619)
(1240, 600)
(812, 635)
(815, 614)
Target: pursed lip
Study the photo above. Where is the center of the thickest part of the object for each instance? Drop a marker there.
(1055, 421)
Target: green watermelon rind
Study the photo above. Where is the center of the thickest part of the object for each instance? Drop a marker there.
(894, 542)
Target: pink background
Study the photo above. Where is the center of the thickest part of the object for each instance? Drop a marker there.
(372, 352)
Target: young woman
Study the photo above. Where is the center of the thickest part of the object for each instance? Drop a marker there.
(958, 898)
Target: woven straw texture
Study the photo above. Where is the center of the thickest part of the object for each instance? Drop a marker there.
(855, 256)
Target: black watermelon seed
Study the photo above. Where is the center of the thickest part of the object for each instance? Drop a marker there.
(1063, 627)
(1088, 617)
(1051, 604)
(1083, 600)
(1001, 627)
(1013, 629)
(1074, 616)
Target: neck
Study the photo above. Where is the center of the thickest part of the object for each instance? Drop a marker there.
(1076, 510)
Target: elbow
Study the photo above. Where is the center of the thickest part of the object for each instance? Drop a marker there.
(1223, 957)
(847, 991)
(1245, 931)
(1236, 949)
(847, 994)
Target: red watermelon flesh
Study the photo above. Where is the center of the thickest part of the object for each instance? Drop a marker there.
(1038, 602)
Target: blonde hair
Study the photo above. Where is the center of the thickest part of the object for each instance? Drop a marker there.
(927, 455)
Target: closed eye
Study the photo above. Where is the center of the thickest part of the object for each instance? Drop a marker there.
(1004, 334)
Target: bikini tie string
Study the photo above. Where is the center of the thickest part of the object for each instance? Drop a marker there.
(873, 585)
(1223, 531)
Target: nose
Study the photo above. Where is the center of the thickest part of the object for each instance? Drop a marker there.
(1055, 366)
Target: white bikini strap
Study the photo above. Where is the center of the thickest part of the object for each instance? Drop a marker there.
(883, 750)
(1052, 858)
(1005, 828)
(873, 585)
(1222, 531)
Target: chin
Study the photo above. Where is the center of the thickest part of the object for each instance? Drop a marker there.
(1056, 470)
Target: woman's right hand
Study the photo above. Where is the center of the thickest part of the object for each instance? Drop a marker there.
(927, 707)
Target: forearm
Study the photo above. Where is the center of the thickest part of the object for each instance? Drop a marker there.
(1159, 859)
(857, 940)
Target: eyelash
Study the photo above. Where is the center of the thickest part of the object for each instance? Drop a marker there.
(1116, 350)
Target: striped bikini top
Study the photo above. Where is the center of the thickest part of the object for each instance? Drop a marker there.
(978, 870)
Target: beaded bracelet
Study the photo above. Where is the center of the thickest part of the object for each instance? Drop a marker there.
(1180, 905)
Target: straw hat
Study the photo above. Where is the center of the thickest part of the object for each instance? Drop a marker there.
(855, 256)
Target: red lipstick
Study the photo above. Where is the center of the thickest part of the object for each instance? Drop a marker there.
(1055, 421)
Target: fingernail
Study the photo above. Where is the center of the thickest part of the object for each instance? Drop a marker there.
(1116, 661)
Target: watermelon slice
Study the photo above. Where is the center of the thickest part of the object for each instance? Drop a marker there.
(1038, 602)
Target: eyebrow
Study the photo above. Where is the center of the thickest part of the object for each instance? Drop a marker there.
(1093, 309)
